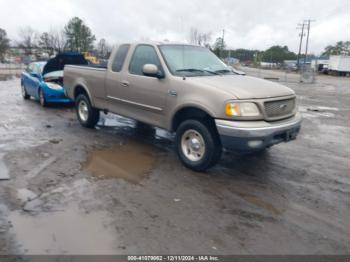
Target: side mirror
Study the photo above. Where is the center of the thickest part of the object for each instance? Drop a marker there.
(152, 71)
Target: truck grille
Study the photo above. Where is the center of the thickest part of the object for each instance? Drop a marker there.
(280, 108)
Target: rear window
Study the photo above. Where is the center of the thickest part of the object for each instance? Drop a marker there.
(119, 59)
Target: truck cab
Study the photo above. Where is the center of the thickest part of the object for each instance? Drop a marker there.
(186, 89)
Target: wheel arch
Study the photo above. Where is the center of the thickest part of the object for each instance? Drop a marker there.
(81, 89)
(190, 112)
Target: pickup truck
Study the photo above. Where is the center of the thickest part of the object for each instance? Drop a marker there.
(186, 89)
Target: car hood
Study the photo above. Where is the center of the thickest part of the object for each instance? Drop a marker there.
(244, 87)
(59, 61)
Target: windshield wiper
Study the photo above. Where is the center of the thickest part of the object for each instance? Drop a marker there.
(197, 70)
(223, 71)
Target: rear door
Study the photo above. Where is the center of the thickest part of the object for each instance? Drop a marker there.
(113, 83)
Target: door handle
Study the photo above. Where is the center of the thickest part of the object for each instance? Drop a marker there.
(172, 93)
(125, 83)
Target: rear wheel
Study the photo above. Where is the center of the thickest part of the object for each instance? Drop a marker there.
(42, 99)
(24, 92)
(88, 116)
(198, 145)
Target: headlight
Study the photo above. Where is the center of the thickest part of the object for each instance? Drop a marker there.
(54, 86)
(241, 109)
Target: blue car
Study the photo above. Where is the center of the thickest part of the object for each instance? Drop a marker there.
(44, 80)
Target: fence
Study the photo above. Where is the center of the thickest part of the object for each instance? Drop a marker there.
(10, 70)
(305, 75)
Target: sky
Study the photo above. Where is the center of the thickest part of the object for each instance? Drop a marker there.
(252, 24)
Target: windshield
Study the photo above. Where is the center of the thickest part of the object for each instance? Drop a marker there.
(186, 60)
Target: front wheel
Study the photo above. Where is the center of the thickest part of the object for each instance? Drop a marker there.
(87, 115)
(24, 92)
(198, 145)
(42, 99)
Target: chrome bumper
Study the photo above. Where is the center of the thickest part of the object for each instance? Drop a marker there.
(256, 135)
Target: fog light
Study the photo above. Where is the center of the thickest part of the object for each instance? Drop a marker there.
(255, 143)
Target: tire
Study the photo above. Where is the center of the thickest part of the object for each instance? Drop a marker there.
(24, 92)
(42, 99)
(88, 116)
(198, 145)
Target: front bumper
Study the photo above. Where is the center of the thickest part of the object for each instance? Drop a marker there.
(256, 135)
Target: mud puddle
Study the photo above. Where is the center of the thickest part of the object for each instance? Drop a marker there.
(131, 161)
(68, 232)
(260, 203)
(4, 173)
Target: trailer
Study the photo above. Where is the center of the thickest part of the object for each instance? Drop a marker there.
(339, 65)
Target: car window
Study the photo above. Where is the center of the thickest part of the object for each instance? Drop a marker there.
(36, 69)
(120, 58)
(144, 54)
(30, 68)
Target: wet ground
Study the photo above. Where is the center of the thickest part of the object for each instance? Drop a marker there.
(119, 189)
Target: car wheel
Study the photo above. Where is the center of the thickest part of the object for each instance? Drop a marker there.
(198, 145)
(24, 92)
(42, 99)
(88, 116)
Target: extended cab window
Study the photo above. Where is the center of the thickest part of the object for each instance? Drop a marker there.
(144, 54)
(120, 58)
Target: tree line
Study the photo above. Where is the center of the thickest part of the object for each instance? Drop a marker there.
(74, 36)
(77, 36)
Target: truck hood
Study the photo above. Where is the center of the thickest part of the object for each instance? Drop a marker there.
(243, 87)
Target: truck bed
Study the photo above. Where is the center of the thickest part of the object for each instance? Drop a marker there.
(91, 75)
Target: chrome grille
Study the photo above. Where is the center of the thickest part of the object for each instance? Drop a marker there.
(279, 108)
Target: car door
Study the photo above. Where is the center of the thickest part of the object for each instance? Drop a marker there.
(33, 80)
(36, 78)
(113, 82)
(27, 81)
(145, 95)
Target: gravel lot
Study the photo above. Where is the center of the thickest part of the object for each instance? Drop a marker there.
(119, 189)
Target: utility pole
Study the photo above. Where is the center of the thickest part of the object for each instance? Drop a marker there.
(307, 39)
(301, 44)
(222, 43)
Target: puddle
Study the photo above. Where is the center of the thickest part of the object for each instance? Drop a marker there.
(4, 173)
(131, 162)
(69, 232)
(259, 203)
(319, 111)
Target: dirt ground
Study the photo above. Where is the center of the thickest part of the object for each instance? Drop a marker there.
(119, 189)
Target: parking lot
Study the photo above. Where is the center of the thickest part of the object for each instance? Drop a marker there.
(120, 189)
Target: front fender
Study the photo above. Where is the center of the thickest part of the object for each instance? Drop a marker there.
(188, 104)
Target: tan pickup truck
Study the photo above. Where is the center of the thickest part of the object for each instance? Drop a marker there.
(188, 90)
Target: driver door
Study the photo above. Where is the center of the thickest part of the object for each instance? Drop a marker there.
(145, 96)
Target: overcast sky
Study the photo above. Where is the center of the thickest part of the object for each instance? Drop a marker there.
(255, 24)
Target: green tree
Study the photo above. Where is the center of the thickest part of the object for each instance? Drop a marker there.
(79, 36)
(47, 43)
(4, 43)
(340, 48)
(242, 54)
(277, 54)
(219, 47)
